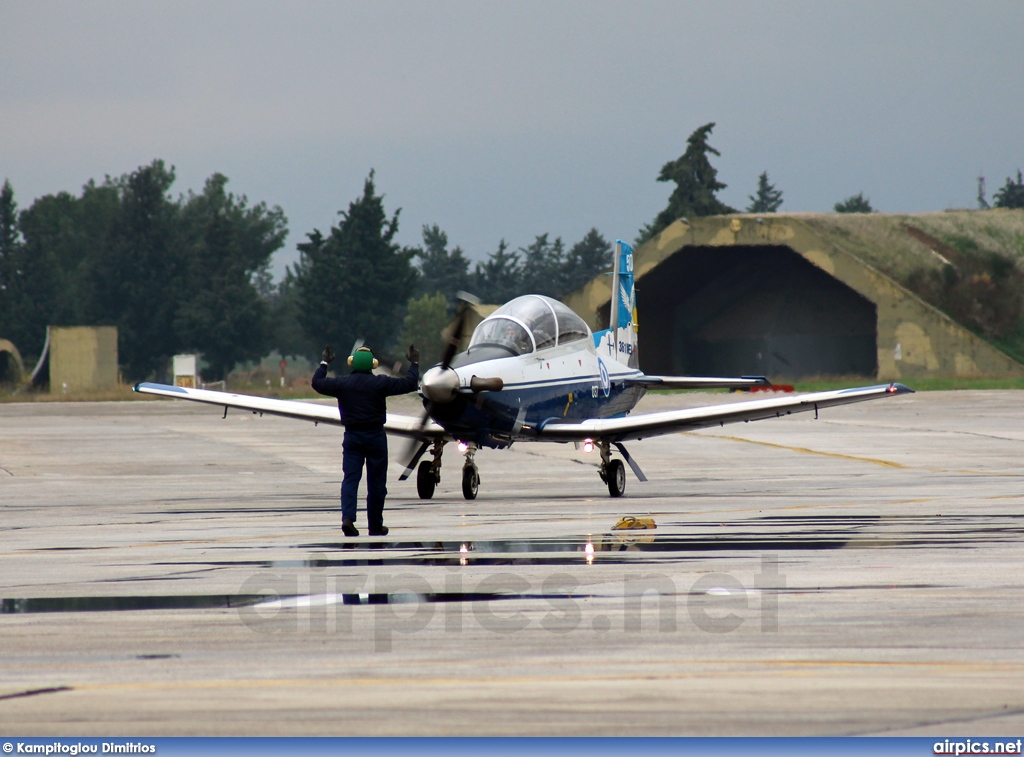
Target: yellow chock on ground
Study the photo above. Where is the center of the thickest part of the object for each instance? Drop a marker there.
(631, 522)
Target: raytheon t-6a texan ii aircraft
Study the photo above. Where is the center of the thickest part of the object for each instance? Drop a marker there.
(534, 372)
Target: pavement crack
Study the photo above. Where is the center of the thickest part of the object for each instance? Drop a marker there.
(34, 692)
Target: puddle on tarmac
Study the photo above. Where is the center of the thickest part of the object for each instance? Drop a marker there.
(772, 534)
(221, 601)
(116, 604)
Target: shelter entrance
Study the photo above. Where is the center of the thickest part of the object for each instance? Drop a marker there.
(11, 368)
(730, 311)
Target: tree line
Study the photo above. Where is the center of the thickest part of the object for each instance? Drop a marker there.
(192, 273)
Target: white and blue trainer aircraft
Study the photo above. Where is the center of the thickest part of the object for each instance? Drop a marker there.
(534, 372)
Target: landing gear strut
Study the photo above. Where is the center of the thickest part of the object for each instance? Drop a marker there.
(428, 474)
(470, 474)
(612, 472)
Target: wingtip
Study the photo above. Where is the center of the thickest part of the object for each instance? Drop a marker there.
(897, 388)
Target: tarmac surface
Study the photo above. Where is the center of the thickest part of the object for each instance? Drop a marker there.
(164, 571)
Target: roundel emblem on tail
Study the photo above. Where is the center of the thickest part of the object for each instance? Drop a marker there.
(606, 382)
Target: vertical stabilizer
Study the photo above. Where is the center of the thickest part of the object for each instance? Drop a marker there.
(619, 340)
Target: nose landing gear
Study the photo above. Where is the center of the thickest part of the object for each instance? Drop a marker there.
(470, 474)
(428, 474)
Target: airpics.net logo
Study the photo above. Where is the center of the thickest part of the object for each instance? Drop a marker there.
(386, 606)
(971, 746)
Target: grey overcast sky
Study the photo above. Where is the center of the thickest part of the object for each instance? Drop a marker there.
(511, 119)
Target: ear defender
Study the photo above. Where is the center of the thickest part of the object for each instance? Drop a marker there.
(363, 360)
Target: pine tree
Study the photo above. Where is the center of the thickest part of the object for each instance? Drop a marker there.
(441, 271)
(1012, 193)
(135, 280)
(354, 284)
(588, 257)
(768, 198)
(228, 246)
(498, 279)
(10, 240)
(857, 203)
(696, 183)
(543, 267)
(10, 253)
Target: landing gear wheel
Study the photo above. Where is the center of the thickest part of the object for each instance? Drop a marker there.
(470, 482)
(616, 478)
(426, 480)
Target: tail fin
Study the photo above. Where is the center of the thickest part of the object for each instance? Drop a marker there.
(619, 341)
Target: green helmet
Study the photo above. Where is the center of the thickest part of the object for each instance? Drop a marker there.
(362, 360)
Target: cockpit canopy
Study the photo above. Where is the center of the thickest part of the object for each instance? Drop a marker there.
(528, 323)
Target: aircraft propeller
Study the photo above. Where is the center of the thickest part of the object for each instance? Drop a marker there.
(440, 384)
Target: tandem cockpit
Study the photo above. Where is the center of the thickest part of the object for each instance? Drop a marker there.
(527, 324)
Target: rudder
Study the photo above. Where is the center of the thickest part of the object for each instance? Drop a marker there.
(619, 340)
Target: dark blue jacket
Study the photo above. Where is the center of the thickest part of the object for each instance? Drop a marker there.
(362, 395)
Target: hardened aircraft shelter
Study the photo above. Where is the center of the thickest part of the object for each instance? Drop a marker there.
(802, 295)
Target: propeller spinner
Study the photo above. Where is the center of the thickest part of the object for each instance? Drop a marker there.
(440, 384)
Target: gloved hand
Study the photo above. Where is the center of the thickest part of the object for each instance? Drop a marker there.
(413, 355)
(327, 356)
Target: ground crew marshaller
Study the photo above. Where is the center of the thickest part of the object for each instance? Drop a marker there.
(362, 400)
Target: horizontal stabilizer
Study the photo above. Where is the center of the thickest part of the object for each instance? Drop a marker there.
(697, 382)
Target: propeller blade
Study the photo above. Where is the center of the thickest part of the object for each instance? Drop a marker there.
(455, 339)
(518, 425)
(414, 453)
(466, 303)
(414, 460)
(631, 462)
(411, 453)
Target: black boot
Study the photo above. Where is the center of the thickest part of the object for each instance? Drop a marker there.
(348, 528)
(379, 531)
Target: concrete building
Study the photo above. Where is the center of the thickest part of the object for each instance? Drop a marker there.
(792, 296)
(83, 358)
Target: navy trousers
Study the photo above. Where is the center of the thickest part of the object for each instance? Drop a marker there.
(369, 447)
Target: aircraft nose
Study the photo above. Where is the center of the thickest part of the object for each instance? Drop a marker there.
(440, 385)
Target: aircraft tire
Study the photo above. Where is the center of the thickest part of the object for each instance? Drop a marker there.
(616, 478)
(425, 480)
(470, 482)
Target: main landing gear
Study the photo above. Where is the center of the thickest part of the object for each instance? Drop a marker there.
(612, 472)
(428, 474)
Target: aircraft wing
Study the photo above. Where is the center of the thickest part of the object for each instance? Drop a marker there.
(399, 425)
(697, 382)
(690, 419)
